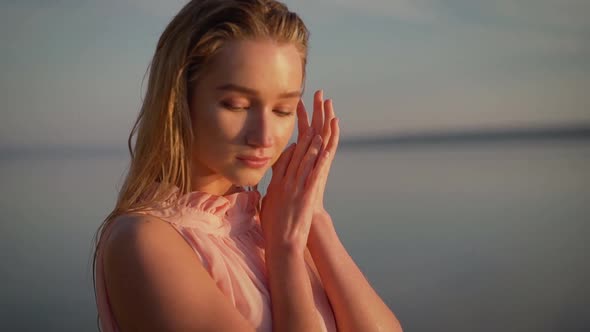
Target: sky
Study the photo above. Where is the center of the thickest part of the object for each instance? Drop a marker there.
(72, 71)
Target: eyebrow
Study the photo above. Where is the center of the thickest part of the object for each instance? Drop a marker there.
(234, 87)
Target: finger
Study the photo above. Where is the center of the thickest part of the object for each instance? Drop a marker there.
(331, 149)
(298, 154)
(279, 167)
(318, 111)
(328, 116)
(319, 172)
(309, 160)
(302, 119)
(334, 138)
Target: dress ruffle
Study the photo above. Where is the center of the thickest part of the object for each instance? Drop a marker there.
(221, 215)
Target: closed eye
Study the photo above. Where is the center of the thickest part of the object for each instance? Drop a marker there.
(239, 108)
(283, 113)
(233, 107)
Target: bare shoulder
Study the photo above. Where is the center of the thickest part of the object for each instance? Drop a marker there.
(133, 231)
(156, 282)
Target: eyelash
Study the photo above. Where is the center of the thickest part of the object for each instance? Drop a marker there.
(233, 108)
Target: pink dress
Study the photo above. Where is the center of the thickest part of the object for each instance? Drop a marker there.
(225, 233)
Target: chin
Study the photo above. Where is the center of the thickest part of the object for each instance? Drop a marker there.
(248, 178)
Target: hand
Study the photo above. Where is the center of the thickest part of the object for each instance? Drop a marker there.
(325, 123)
(287, 207)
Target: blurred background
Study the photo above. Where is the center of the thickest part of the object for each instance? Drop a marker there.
(461, 187)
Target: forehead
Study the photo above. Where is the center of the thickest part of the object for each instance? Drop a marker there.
(265, 66)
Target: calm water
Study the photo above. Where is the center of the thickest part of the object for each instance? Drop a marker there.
(454, 238)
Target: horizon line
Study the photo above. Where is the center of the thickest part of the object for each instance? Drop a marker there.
(412, 138)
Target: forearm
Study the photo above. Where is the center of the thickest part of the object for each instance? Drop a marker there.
(356, 305)
(293, 307)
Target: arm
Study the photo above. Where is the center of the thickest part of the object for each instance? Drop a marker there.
(293, 307)
(286, 217)
(356, 305)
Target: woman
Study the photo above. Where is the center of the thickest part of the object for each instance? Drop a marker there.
(187, 248)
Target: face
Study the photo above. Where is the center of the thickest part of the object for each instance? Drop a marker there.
(244, 105)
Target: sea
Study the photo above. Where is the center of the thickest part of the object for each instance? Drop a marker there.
(453, 237)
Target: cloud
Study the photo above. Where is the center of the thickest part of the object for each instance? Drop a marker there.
(568, 14)
(571, 14)
(156, 8)
(405, 10)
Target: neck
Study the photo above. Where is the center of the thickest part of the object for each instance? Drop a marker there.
(206, 180)
(219, 187)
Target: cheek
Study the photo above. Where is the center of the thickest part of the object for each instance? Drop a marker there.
(230, 125)
(218, 128)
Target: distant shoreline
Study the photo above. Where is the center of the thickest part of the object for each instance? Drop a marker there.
(427, 138)
(493, 135)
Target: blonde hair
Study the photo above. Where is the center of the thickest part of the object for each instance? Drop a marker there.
(161, 155)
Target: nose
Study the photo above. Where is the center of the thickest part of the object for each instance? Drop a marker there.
(259, 129)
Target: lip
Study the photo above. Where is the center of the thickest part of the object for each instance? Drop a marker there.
(254, 162)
